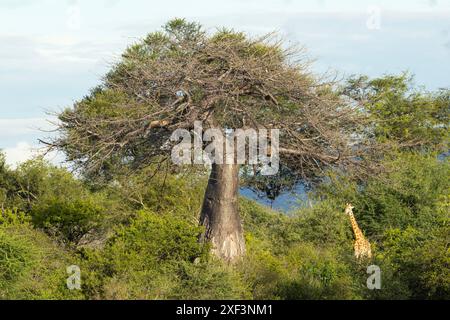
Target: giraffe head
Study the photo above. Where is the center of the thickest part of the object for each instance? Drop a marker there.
(349, 209)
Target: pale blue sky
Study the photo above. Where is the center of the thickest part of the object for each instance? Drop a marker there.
(52, 52)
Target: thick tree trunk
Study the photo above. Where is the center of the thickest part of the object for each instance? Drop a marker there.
(220, 213)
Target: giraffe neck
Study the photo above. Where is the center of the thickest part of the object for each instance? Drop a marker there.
(356, 230)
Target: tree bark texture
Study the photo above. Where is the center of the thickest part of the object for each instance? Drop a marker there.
(220, 213)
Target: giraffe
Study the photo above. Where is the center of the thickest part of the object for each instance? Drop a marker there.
(361, 245)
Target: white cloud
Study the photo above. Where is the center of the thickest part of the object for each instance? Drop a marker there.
(16, 127)
(19, 139)
(55, 53)
(24, 151)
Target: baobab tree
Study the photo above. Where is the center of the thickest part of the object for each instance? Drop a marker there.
(226, 80)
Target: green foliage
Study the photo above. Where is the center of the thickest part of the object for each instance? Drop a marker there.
(15, 257)
(402, 113)
(102, 103)
(210, 280)
(303, 256)
(36, 179)
(409, 193)
(158, 257)
(183, 30)
(31, 266)
(160, 238)
(9, 196)
(317, 274)
(325, 225)
(415, 264)
(181, 194)
(266, 224)
(228, 35)
(152, 252)
(262, 269)
(322, 225)
(54, 200)
(151, 248)
(405, 213)
(69, 219)
(13, 217)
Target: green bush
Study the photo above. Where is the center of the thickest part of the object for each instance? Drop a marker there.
(305, 271)
(307, 255)
(317, 274)
(13, 217)
(407, 195)
(150, 249)
(325, 225)
(209, 279)
(261, 268)
(59, 203)
(403, 112)
(415, 264)
(69, 219)
(158, 256)
(180, 194)
(31, 266)
(405, 213)
(263, 223)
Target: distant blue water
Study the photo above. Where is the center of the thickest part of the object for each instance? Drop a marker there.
(286, 202)
(444, 155)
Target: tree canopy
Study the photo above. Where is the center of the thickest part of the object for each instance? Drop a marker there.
(182, 74)
(402, 112)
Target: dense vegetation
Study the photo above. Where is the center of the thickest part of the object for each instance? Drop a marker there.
(148, 249)
(135, 234)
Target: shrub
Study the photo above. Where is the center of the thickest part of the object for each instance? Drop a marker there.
(307, 255)
(317, 274)
(67, 218)
(31, 266)
(415, 264)
(325, 225)
(407, 195)
(13, 217)
(158, 256)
